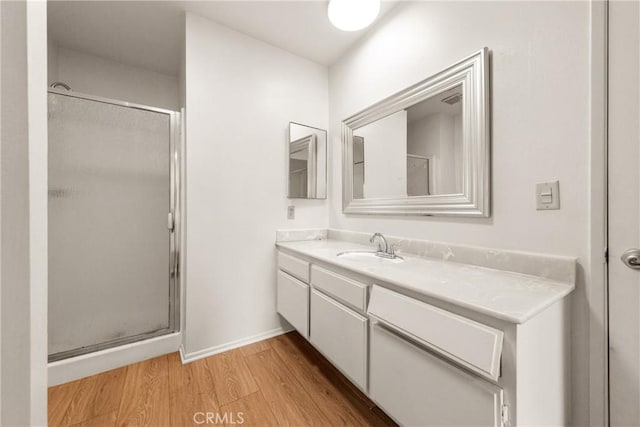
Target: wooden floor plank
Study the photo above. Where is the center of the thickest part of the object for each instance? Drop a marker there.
(254, 348)
(230, 376)
(104, 420)
(109, 386)
(302, 347)
(183, 398)
(81, 407)
(180, 376)
(60, 398)
(186, 404)
(348, 391)
(94, 396)
(195, 375)
(253, 410)
(205, 382)
(326, 394)
(145, 396)
(290, 404)
(191, 390)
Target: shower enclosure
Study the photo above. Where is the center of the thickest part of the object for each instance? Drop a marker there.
(113, 199)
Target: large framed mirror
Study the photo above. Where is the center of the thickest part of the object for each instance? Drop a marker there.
(424, 150)
(307, 162)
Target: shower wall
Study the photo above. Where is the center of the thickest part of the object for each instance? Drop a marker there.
(104, 77)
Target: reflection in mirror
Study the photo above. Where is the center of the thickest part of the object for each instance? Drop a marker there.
(302, 175)
(434, 145)
(307, 162)
(413, 152)
(358, 167)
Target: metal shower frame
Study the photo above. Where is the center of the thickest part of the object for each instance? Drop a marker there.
(175, 232)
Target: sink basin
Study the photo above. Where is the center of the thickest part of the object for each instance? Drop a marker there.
(370, 255)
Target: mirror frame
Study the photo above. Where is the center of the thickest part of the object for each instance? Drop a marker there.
(474, 201)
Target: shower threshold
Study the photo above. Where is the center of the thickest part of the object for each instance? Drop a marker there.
(62, 355)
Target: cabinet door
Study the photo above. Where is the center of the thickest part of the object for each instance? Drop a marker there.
(417, 388)
(341, 335)
(293, 302)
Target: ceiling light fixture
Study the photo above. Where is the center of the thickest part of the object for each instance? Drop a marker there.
(353, 15)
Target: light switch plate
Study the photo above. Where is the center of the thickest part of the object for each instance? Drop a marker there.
(291, 212)
(548, 196)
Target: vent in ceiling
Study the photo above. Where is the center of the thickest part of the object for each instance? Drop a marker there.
(453, 99)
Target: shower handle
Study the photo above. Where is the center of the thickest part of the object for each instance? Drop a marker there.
(171, 225)
(170, 221)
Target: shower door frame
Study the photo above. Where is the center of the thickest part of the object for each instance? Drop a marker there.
(173, 225)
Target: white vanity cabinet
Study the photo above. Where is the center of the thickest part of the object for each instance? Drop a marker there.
(425, 360)
(292, 295)
(337, 329)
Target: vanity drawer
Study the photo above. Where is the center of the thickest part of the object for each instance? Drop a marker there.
(349, 291)
(293, 302)
(417, 388)
(294, 266)
(341, 335)
(471, 344)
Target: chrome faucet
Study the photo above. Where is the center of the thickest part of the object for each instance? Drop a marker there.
(384, 249)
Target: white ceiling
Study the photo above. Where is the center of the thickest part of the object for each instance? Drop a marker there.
(149, 34)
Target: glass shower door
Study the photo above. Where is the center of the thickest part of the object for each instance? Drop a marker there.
(111, 251)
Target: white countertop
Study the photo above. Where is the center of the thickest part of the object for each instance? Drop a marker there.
(512, 297)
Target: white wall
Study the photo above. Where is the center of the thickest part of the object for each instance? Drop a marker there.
(52, 61)
(14, 227)
(385, 149)
(23, 153)
(540, 126)
(241, 94)
(110, 79)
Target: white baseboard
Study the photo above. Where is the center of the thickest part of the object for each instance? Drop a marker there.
(101, 361)
(200, 354)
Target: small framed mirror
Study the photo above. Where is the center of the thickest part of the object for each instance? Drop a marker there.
(307, 162)
(424, 150)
